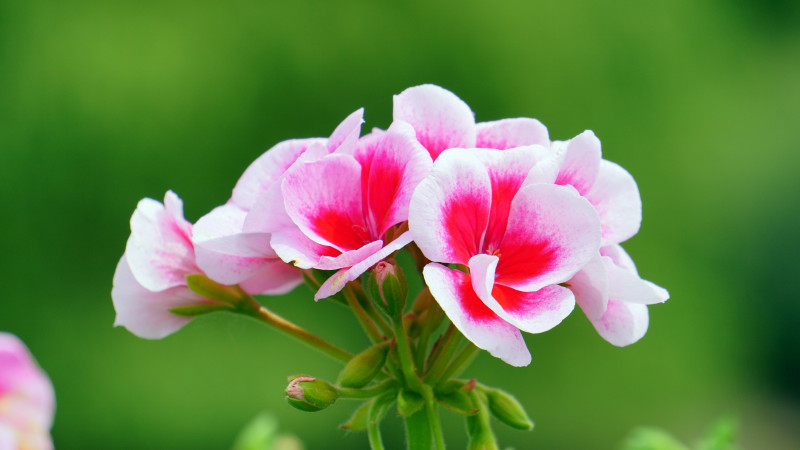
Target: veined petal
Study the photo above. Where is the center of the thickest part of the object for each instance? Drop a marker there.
(440, 119)
(160, 251)
(590, 286)
(453, 291)
(615, 196)
(393, 163)
(146, 313)
(623, 323)
(510, 133)
(344, 137)
(450, 209)
(581, 163)
(337, 281)
(552, 233)
(267, 169)
(323, 198)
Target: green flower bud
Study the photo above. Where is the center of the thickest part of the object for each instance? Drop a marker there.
(388, 288)
(507, 409)
(363, 367)
(310, 394)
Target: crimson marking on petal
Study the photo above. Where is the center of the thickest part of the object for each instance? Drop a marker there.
(340, 230)
(472, 305)
(524, 261)
(465, 223)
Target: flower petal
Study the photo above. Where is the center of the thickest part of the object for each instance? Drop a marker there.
(581, 162)
(295, 248)
(337, 281)
(267, 169)
(324, 199)
(615, 196)
(393, 163)
(160, 251)
(146, 313)
(440, 119)
(510, 133)
(453, 291)
(534, 312)
(590, 286)
(344, 137)
(552, 233)
(450, 208)
(626, 286)
(623, 323)
(275, 278)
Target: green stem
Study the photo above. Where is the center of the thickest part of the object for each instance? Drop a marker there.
(374, 434)
(254, 309)
(433, 317)
(374, 391)
(462, 360)
(447, 347)
(404, 354)
(431, 410)
(363, 299)
(418, 431)
(363, 318)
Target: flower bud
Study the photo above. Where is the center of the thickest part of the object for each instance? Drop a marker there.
(363, 367)
(310, 394)
(388, 288)
(507, 409)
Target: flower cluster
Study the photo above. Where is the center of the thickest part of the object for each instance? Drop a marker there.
(27, 401)
(509, 228)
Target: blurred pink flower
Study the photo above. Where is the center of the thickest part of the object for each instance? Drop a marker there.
(27, 400)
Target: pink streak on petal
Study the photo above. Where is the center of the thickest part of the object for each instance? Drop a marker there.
(338, 280)
(581, 161)
(623, 323)
(267, 169)
(324, 200)
(615, 196)
(450, 209)
(441, 120)
(344, 137)
(393, 164)
(534, 312)
(590, 286)
(146, 313)
(552, 233)
(510, 133)
(160, 251)
(453, 291)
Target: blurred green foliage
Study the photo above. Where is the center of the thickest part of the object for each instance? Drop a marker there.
(103, 103)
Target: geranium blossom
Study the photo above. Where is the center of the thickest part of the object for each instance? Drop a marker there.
(27, 400)
(345, 208)
(498, 213)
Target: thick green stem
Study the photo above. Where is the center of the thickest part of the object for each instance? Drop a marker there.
(432, 411)
(418, 431)
(462, 360)
(373, 391)
(374, 434)
(270, 318)
(447, 347)
(363, 318)
(404, 354)
(363, 299)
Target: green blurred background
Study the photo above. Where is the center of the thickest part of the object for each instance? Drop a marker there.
(103, 103)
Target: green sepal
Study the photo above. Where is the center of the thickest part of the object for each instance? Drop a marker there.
(302, 406)
(360, 418)
(450, 386)
(409, 402)
(507, 409)
(388, 288)
(457, 401)
(362, 368)
(310, 394)
(380, 406)
(208, 288)
(199, 310)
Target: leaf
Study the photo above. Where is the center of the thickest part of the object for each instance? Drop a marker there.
(457, 401)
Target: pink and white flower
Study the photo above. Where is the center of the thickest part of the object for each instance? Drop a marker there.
(27, 400)
(232, 242)
(345, 208)
(499, 214)
(150, 278)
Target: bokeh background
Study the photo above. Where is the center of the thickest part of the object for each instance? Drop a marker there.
(103, 103)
